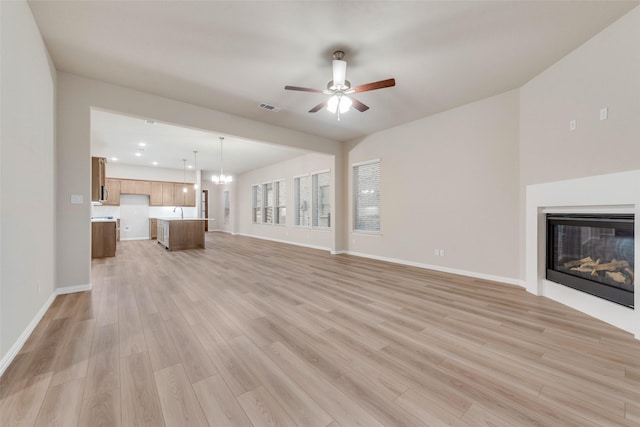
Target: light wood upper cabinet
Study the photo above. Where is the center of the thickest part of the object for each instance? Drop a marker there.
(160, 193)
(181, 198)
(127, 186)
(98, 169)
(155, 198)
(167, 194)
(143, 187)
(113, 192)
(190, 197)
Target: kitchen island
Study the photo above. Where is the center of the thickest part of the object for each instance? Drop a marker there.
(176, 234)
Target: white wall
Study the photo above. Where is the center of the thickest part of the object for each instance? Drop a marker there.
(76, 97)
(603, 72)
(27, 177)
(118, 170)
(287, 170)
(448, 181)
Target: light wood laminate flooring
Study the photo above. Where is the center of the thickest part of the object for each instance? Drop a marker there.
(255, 333)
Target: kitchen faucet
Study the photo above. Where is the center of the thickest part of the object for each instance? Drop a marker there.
(181, 211)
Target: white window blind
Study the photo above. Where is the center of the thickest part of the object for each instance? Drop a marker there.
(257, 204)
(281, 202)
(302, 201)
(321, 200)
(366, 197)
(268, 199)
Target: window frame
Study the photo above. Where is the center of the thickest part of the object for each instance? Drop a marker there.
(277, 187)
(354, 201)
(265, 201)
(314, 199)
(296, 200)
(256, 206)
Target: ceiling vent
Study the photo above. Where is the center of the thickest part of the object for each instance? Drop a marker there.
(269, 107)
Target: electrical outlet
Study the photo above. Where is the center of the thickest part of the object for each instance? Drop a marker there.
(572, 125)
(441, 252)
(436, 252)
(604, 113)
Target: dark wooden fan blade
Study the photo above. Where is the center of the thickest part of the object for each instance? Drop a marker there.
(319, 107)
(358, 105)
(303, 89)
(375, 85)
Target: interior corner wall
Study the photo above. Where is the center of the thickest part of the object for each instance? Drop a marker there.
(603, 72)
(76, 96)
(286, 170)
(27, 176)
(448, 182)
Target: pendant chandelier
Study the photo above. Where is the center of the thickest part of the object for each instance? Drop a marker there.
(184, 175)
(222, 178)
(195, 168)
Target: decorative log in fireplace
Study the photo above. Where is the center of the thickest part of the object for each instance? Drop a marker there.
(593, 253)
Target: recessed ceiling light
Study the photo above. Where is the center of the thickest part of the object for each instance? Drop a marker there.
(150, 122)
(154, 163)
(114, 159)
(138, 154)
(189, 167)
(142, 144)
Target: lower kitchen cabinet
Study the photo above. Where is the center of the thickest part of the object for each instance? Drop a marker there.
(103, 239)
(153, 228)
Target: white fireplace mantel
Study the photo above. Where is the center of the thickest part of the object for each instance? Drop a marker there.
(612, 193)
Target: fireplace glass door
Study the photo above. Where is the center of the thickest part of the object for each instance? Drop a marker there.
(593, 253)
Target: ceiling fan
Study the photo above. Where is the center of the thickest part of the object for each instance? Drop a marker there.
(340, 88)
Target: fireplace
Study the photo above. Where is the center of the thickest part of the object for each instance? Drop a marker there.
(593, 253)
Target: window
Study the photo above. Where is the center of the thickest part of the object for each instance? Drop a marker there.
(321, 199)
(257, 204)
(226, 206)
(281, 202)
(302, 201)
(267, 199)
(366, 196)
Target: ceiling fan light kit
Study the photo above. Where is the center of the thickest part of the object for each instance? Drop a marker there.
(340, 88)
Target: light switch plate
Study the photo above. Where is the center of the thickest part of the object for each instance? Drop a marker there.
(76, 199)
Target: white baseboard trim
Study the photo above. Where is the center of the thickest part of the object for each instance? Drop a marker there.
(339, 252)
(288, 242)
(507, 280)
(126, 239)
(17, 346)
(72, 289)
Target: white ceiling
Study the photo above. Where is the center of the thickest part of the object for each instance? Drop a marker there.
(119, 136)
(233, 55)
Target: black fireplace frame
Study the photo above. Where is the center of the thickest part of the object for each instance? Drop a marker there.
(599, 289)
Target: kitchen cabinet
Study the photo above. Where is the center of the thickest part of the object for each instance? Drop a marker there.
(160, 193)
(143, 188)
(184, 199)
(127, 186)
(155, 198)
(153, 228)
(103, 239)
(98, 169)
(167, 194)
(113, 192)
